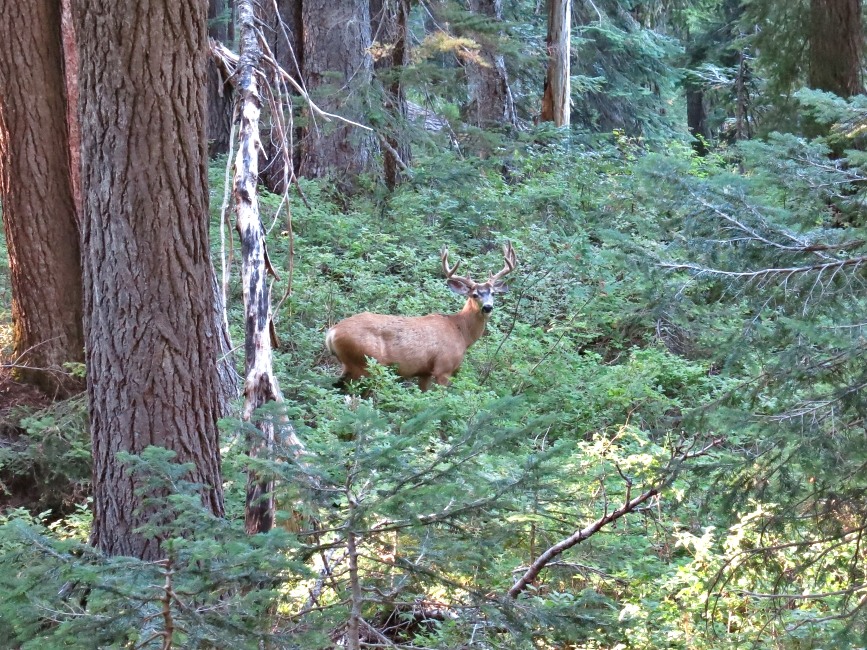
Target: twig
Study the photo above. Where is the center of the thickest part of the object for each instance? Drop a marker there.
(228, 57)
(226, 262)
(629, 506)
(787, 271)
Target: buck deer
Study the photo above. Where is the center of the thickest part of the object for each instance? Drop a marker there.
(429, 347)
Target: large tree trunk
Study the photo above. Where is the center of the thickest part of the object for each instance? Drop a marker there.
(836, 44)
(555, 99)
(389, 30)
(150, 321)
(280, 155)
(337, 72)
(491, 102)
(219, 91)
(36, 189)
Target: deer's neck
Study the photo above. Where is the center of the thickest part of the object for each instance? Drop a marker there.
(471, 321)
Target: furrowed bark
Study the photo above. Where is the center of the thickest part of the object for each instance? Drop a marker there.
(491, 101)
(219, 90)
(390, 29)
(151, 323)
(836, 46)
(338, 68)
(70, 74)
(38, 193)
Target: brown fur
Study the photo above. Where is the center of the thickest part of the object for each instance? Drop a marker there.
(428, 347)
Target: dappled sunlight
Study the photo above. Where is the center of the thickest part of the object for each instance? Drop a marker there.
(7, 336)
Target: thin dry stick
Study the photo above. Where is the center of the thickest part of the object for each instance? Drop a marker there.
(221, 51)
(290, 262)
(763, 273)
(168, 619)
(579, 536)
(225, 264)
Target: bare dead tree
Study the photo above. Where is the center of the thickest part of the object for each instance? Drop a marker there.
(555, 98)
(253, 72)
(260, 383)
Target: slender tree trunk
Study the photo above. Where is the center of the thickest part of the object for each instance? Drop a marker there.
(337, 72)
(742, 122)
(151, 327)
(491, 102)
(389, 30)
(696, 106)
(219, 91)
(260, 383)
(836, 46)
(555, 99)
(696, 119)
(36, 188)
(356, 595)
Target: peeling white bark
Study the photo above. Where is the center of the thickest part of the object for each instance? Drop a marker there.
(260, 384)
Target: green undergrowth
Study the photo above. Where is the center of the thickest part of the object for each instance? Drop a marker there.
(598, 369)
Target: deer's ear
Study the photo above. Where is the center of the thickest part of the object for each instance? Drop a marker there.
(458, 287)
(500, 287)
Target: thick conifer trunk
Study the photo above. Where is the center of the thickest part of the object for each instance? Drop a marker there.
(836, 46)
(219, 92)
(150, 321)
(36, 189)
(491, 102)
(555, 99)
(337, 72)
(70, 77)
(282, 30)
(389, 29)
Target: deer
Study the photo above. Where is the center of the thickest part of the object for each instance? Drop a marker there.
(430, 348)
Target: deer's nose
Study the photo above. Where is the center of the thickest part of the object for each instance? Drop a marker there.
(487, 308)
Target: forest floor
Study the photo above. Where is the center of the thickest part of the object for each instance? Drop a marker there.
(16, 400)
(15, 395)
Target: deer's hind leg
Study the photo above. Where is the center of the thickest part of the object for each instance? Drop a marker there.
(443, 379)
(351, 372)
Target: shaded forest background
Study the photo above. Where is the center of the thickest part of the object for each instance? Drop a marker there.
(660, 440)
